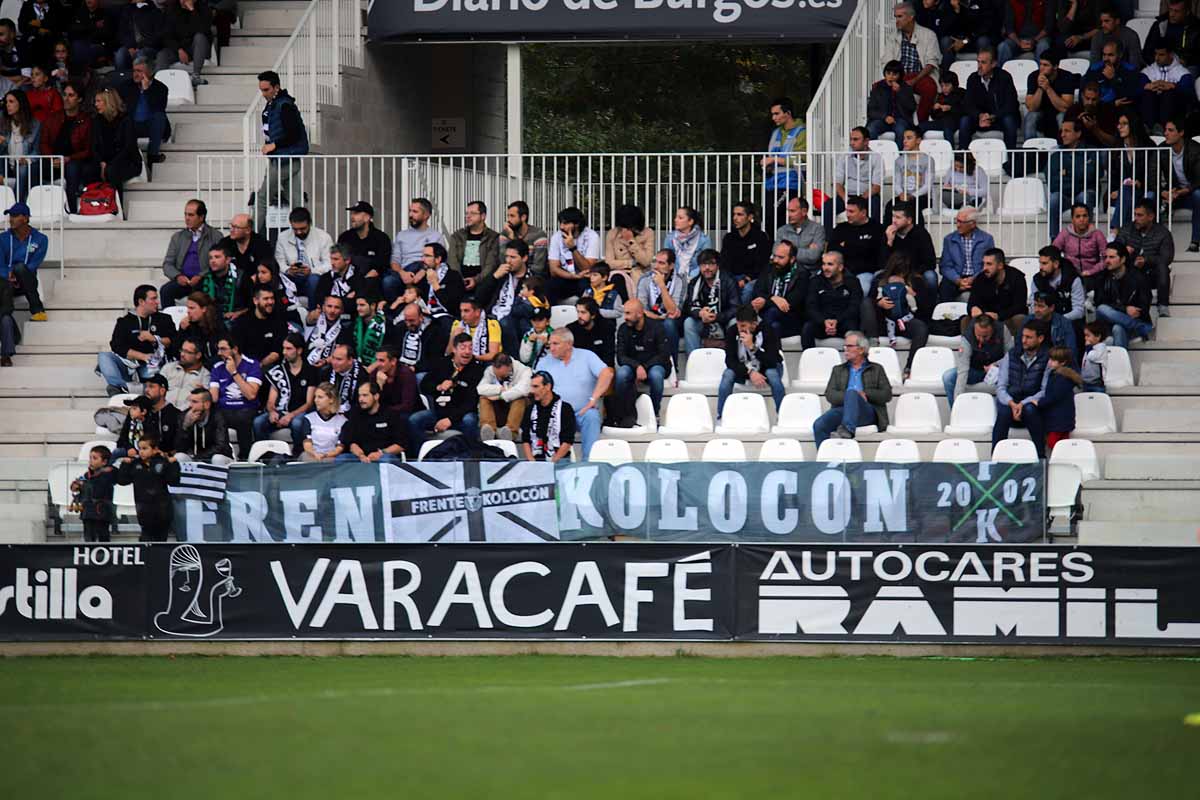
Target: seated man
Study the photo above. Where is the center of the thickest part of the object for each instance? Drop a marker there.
(781, 292)
(582, 379)
(484, 333)
(186, 260)
(1123, 299)
(474, 249)
(185, 374)
(752, 356)
(1118, 80)
(408, 246)
(433, 283)
(746, 249)
(345, 373)
(145, 100)
(981, 350)
(642, 355)
(369, 327)
(342, 280)
(291, 383)
(806, 235)
(302, 252)
(549, 424)
(859, 240)
(517, 226)
(1114, 31)
(141, 34)
(235, 383)
(1020, 386)
(139, 343)
(418, 342)
(903, 235)
(833, 304)
(998, 292)
(397, 383)
(371, 433)
(1071, 175)
(991, 103)
(1151, 250)
(502, 397)
(263, 329)
(1059, 331)
(1168, 88)
(1058, 276)
(858, 393)
(93, 36)
(594, 332)
(1049, 92)
(891, 103)
(327, 331)
(710, 303)
(1027, 28)
(452, 386)
(574, 247)
(1099, 120)
(154, 415)
(22, 250)
(962, 256)
(365, 246)
(203, 433)
(661, 294)
(1185, 169)
(1178, 29)
(500, 293)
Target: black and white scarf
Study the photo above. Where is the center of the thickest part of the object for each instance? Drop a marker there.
(656, 304)
(341, 283)
(549, 446)
(278, 375)
(479, 336)
(412, 344)
(748, 357)
(436, 308)
(323, 337)
(507, 296)
(709, 297)
(346, 385)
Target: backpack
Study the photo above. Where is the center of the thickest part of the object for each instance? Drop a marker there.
(97, 199)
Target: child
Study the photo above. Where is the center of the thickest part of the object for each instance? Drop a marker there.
(131, 432)
(151, 473)
(947, 107)
(533, 343)
(94, 490)
(1057, 406)
(903, 300)
(608, 295)
(1095, 356)
(534, 292)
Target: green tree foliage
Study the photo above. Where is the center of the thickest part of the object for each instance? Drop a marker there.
(656, 98)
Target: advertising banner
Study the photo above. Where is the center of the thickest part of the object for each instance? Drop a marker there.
(952, 594)
(531, 20)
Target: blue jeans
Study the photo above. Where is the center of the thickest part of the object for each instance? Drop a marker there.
(350, 458)
(116, 374)
(877, 127)
(784, 325)
(156, 128)
(853, 412)
(746, 293)
(1191, 200)
(950, 381)
(693, 332)
(423, 421)
(514, 326)
(8, 335)
(588, 425)
(263, 430)
(1005, 123)
(671, 330)
(1123, 325)
(391, 285)
(160, 58)
(774, 380)
(627, 382)
(1056, 210)
(1031, 419)
(1008, 49)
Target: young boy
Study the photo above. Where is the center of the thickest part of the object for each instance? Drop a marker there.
(1095, 353)
(533, 343)
(947, 107)
(151, 473)
(131, 433)
(94, 490)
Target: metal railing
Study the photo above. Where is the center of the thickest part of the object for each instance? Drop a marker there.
(38, 182)
(1013, 187)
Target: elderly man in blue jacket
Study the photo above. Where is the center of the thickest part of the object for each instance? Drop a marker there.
(962, 256)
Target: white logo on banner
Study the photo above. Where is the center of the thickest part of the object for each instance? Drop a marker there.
(190, 611)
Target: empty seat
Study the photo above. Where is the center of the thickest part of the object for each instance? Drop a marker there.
(1094, 414)
(176, 313)
(688, 414)
(47, 204)
(916, 413)
(1118, 371)
(815, 365)
(1024, 199)
(611, 451)
(990, 155)
(704, 370)
(1141, 26)
(955, 451)
(947, 311)
(1021, 69)
(1079, 452)
(928, 366)
(898, 451)
(1078, 66)
(118, 400)
(261, 448)
(1062, 488)
(667, 451)
(886, 357)
(973, 414)
(180, 91)
(647, 423)
(85, 449)
(781, 450)
(562, 316)
(797, 414)
(846, 450)
(942, 153)
(1040, 143)
(1025, 264)
(724, 450)
(744, 414)
(1015, 451)
(889, 151)
(964, 70)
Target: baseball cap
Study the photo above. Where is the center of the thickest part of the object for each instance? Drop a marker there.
(158, 380)
(142, 402)
(18, 208)
(362, 206)
(541, 313)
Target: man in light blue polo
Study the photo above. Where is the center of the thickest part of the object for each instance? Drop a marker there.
(581, 379)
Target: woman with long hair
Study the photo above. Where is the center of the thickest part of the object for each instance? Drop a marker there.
(20, 137)
(629, 244)
(114, 143)
(1133, 172)
(44, 98)
(202, 325)
(899, 304)
(687, 241)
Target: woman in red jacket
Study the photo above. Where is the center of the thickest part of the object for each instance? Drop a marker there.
(44, 99)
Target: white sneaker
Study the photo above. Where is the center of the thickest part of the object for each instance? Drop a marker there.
(487, 433)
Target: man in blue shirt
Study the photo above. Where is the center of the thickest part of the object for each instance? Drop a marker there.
(22, 250)
(581, 379)
(234, 384)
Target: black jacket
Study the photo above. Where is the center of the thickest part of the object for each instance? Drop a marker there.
(488, 288)
(371, 432)
(826, 301)
(141, 27)
(325, 288)
(182, 26)
(261, 337)
(645, 348)
(745, 256)
(150, 481)
(99, 28)
(796, 292)
(433, 344)
(462, 397)
(125, 333)
(96, 495)
(727, 293)
(1006, 299)
(601, 339)
(769, 354)
(1183, 39)
(859, 245)
(1131, 289)
(116, 144)
(156, 95)
(999, 97)
(258, 251)
(204, 440)
(371, 253)
(451, 293)
(163, 423)
(916, 245)
(883, 102)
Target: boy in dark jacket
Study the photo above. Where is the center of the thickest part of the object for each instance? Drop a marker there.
(891, 105)
(151, 473)
(94, 490)
(947, 107)
(1057, 405)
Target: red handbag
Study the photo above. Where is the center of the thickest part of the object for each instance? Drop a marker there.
(97, 199)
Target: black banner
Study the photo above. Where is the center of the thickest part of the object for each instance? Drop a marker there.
(531, 20)
(904, 594)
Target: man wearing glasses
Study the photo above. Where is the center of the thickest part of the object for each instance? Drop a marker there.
(858, 393)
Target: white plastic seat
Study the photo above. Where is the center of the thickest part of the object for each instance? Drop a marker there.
(562, 316)
(973, 414)
(704, 370)
(947, 311)
(1015, 451)
(1025, 264)
(1141, 26)
(427, 446)
(1079, 452)
(85, 449)
(509, 448)
(261, 448)
(58, 480)
(47, 204)
(1063, 481)
(916, 413)
(928, 366)
(688, 414)
(844, 450)
(744, 415)
(815, 365)
(781, 449)
(888, 151)
(180, 91)
(964, 70)
(797, 414)
(1118, 371)
(724, 450)
(1021, 69)
(1024, 199)
(898, 451)
(886, 357)
(955, 451)
(1094, 414)
(1158, 140)
(942, 153)
(611, 451)
(667, 451)
(118, 400)
(990, 155)
(1040, 143)
(647, 423)
(1077, 66)
(7, 197)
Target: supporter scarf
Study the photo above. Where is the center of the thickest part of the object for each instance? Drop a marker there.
(598, 294)
(479, 336)
(322, 339)
(506, 296)
(341, 283)
(656, 304)
(224, 294)
(289, 290)
(346, 385)
(435, 305)
(369, 334)
(750, 359)
(278, 375)
(685, 249)
(548, 446)
(709, 297)
(781, 281)
(412, 345)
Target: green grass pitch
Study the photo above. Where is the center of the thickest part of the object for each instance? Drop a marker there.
(585, 727)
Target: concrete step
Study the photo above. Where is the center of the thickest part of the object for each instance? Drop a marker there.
(224, 126)
(65, 332)
(1157, 467)
(1140, 502)
(259, 58)
(1138, 534)
(1160, 417)
(270, 15)
(1166, 374)
(58, 421)
(41, 359)
(225, 90)
(107, 294)
(1177, 328)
